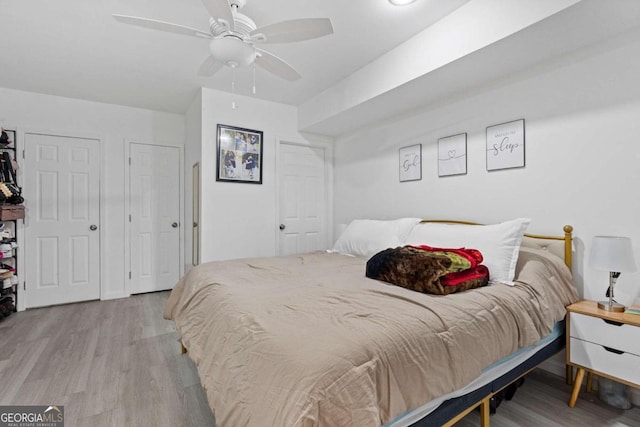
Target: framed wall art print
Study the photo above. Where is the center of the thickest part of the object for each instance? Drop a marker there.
(411, 163)
(239, 155)
(452, 155)
(505, 145)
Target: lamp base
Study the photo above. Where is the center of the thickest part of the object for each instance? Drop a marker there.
(614, 306)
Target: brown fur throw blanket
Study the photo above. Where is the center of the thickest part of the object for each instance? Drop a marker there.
(430, 270)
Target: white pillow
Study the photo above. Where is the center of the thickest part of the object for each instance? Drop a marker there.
(498, 243)
(367, 237)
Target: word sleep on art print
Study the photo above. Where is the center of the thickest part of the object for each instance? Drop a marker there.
(452, 155)
(505, 145)
(411, 163)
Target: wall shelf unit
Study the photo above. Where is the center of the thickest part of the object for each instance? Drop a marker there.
(10, 213)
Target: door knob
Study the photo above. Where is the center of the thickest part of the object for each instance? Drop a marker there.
(282, 226)
(174, 225)
(93, 227)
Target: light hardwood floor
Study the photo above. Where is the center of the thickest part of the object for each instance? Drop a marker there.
(118, 363)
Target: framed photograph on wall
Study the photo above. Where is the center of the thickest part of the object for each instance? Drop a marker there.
(411, 163)
(239, 155)
(8, 138)
(452, 155)
(505, 145)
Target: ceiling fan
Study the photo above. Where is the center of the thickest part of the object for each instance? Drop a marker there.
(234, 37)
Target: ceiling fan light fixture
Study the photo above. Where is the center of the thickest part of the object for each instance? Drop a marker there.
(401, 2)
(232, 50)
(234, 37)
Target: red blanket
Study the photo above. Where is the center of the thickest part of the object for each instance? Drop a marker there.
(439, 271)
(474, 271)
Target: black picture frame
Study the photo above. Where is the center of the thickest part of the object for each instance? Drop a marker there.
(239, 155)
(10, 143)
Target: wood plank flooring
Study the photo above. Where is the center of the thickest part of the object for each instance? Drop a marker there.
(118, 363)
(110, 363)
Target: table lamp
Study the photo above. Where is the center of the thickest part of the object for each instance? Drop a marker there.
(615, 255)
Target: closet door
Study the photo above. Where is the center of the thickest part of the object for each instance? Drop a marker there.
(155, 217)
(62, 236)
(303, 199)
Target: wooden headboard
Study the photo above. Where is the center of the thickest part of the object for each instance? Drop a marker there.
(560, 246)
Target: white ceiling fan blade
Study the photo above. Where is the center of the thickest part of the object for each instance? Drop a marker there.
(209, 67)
(162, 26)
(295, 30)
(276, 66)
(219, 9)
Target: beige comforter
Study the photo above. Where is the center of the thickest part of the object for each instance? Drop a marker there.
(307, 340)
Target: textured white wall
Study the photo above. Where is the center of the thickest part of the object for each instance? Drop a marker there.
(239, 220)
(582, 157)
(114, 125)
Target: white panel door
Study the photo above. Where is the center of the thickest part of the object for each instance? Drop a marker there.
(155, 217)
(62, 239)
(303, 199)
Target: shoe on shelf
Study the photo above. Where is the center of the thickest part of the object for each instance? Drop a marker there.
(7, 265)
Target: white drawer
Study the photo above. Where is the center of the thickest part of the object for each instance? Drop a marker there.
(596, 330)
(623, 366)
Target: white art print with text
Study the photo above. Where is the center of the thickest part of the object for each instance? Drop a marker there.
(505, 145)
(411, 163)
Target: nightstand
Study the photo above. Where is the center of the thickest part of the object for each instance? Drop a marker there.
(603, 343)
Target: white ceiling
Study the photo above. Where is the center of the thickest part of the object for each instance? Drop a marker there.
(74, 48)
(586, 28)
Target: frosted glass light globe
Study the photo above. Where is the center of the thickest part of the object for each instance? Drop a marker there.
(232, 50)
(401, 2)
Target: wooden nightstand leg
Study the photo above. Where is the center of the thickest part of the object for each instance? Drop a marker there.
(576, 387)
(589, 382)
(568, 376)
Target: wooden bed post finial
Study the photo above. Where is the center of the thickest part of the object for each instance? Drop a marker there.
(568, 238)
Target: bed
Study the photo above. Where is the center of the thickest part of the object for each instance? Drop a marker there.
(307, 340)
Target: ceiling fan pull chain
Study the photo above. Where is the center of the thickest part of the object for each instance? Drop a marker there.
(233, 87)
(254, 78)
(233, 80)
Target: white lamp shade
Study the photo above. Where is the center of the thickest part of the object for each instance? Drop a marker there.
(612, 253)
